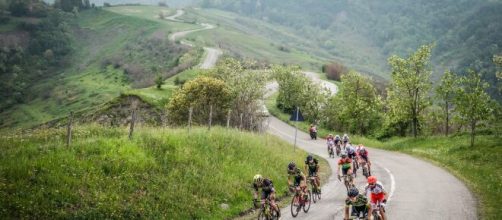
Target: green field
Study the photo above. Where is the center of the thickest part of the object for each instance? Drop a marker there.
(160, 173)
(86, 82)
(160, 97)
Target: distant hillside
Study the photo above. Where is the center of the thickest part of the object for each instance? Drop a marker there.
(362, 34)
(57, 62)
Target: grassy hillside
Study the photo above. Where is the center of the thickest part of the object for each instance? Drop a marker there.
(160, 173)
(112, 53)
(363, 34)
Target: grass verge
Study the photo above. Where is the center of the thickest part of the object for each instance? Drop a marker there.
(160, 173)
(478, 167)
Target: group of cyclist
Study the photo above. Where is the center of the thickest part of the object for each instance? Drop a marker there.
(297, 181)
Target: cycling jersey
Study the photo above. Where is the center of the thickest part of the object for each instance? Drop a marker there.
(361, 200)
(345, 139)
(376, 193)
(297, 179)
(312, 167)
(267, 188)
(346, 163)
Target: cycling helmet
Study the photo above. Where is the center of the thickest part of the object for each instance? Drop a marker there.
(344, 154)
(345, 135)
(331, 135)
(291, 166)
(372, 179)
(353, 192)
(258, 178)
(310, 158)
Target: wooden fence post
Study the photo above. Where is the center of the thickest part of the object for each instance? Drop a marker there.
(210, 116)
(68, 130)
(240, 125)
(228, 118)
(190, 111)
(133, 120)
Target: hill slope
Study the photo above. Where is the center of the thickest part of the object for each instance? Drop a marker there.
(162, 173)
(363, 34)
(111, 53)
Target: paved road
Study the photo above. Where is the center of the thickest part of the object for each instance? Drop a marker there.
(417, 189)
(212, 54)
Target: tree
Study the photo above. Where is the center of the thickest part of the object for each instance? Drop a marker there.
(159, 82)
(334, 70)
(497, 59)
(409, 88)
(296, 90)
(445, 93)
(19, 7)
(473, 103)
(246, 87)
(200, 93)
(359, 103)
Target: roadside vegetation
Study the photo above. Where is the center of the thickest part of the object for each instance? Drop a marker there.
(160, 173)
(455, 128)
(103, 54)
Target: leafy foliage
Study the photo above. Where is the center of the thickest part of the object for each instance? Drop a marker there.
(445, 94)
(356, 108)
(473, 103)
(246, 87)
(409, 88)
(200, 94)
(296, 90)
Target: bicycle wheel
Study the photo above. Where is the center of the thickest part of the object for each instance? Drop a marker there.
(295, 205)
(262, 215)
(306, 204)
(312, 189)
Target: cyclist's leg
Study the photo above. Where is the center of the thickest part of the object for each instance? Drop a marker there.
(272, 201)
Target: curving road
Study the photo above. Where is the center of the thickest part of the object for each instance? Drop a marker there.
(417, 189)
(212, 54)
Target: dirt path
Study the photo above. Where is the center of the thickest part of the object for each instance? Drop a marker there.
(212, 54)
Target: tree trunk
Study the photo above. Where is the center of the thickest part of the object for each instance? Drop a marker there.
(473, 132)
(446, 127)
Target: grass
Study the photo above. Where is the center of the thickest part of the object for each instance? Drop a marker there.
(160, 97)
(160, 173)
(84, 83)
(478, 167)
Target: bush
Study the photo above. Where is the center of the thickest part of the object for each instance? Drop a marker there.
(334, 70)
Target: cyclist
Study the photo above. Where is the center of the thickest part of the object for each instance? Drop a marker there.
(313, 132)
(330, 141)
(376, 193)
(359, 203)
(345, 140)
(351, 153)
(345, 164)
(312, 166)
(299, 180)
(362, 153)
(338, 140)
(267, 191)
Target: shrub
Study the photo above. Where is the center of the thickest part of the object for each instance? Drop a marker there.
(334, 70)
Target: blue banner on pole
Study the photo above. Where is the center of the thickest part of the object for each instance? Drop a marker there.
(297, 115)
